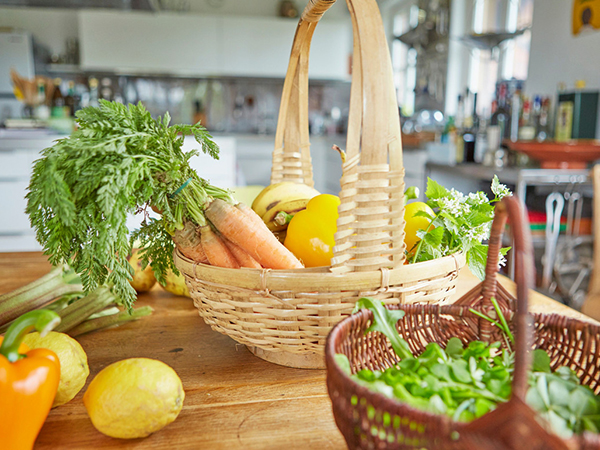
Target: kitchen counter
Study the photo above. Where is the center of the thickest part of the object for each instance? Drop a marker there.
(234, 400)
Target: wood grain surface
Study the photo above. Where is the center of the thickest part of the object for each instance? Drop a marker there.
(234, 400)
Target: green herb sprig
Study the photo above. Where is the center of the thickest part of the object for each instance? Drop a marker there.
(119, 161)
(461, 223)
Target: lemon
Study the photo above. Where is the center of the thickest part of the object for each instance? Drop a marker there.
(143, 279)
(74, 368)
(175, 284)
(133, 398)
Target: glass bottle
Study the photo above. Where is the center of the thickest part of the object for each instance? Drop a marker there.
(93, 83)
(57, 103)
(70, 99)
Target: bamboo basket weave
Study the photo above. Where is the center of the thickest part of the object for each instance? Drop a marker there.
(369, 420)
(284, 316)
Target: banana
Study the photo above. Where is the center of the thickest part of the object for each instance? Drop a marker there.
(277, 193)
(290, 207)
(176, 284)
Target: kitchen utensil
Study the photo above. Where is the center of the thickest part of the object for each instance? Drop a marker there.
(370, 420)
(284, 316)
(573, 259)
(554, 207)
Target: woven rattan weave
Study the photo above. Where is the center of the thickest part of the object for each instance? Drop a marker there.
(285, 316)
(369, 420)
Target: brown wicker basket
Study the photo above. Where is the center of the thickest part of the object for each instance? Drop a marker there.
(369, 420)
(284, 316)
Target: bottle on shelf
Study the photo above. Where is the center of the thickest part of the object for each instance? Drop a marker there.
(57, 103)
(106, 90)
(470, 132)
(42, 111)
(543, 131)
(515, 115)
(500, 116)
(527, 129)
(70, 102)
(459, 123)
(93, 100)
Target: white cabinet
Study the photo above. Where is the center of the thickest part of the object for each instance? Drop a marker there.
(202, 45)
(261, 47)
(17, 155)
(149, 43)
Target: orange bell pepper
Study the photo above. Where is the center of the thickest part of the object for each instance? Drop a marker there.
(28, 381)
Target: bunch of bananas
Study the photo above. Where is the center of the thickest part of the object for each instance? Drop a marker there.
(278, 202)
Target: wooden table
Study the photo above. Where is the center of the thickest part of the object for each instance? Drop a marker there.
(234, 400)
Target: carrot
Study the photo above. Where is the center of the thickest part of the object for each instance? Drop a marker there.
(216, 251)
(259, 242)
(251, 214)
(188, 242)
(242, 256)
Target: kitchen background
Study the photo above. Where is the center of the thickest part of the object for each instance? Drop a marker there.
(470, 75)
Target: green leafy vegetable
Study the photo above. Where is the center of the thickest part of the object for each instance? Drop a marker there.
(384, 321)
(462, 223)
(119, 161)
(466, 383)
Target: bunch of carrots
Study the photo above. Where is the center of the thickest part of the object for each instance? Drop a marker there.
(234, 236)
(119, 161)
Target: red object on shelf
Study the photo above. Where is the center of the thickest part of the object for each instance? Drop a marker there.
(574, 154)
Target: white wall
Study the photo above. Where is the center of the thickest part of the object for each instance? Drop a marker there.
(558, 56)
(50, 27)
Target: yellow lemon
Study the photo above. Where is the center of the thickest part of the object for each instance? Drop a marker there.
(415, 223)
(175, 284)
(74, 368)
(134, 398)
(143, 279)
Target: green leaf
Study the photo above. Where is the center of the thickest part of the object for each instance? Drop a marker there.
(541, 361)
(476, 259)
(343, 363)
(582, 402)
(559, 393)
(435, 190)
(434, 237)
(534, 399)
(384, 321)
(454, 347)
(460, 370)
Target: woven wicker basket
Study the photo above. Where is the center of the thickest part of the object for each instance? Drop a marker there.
(284, 316)
(369, 420)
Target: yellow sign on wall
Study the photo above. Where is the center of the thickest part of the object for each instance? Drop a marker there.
(586, 15)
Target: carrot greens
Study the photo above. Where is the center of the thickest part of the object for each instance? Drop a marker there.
(119, 161)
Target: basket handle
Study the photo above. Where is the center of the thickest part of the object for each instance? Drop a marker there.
(512, 208)
(315, 10)
(371, 214)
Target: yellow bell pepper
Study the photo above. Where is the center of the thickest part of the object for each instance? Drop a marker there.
(310, 233)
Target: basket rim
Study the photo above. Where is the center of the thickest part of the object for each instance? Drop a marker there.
(320, 278)
(392, 403)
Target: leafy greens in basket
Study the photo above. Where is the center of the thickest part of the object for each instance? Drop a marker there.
(467, 382)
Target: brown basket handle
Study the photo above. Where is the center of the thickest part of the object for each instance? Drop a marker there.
(371, 214)
(511, 208)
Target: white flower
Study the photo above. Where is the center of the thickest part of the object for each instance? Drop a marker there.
(501, 261)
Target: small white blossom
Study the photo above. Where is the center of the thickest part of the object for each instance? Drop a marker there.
(501, 261)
